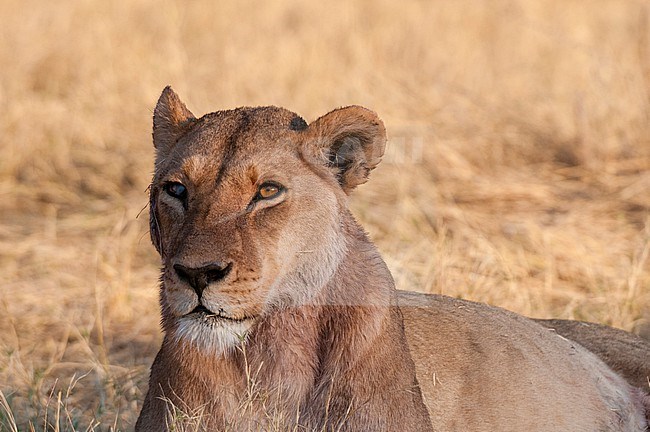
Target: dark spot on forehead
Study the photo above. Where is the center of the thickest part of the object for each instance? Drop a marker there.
(298, 124)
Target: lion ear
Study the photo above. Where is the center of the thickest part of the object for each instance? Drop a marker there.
(350, 141)
(170, 120)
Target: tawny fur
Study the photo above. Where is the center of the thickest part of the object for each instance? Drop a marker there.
(313, 334)
(626, 353)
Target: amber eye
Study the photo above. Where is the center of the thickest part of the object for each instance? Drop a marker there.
(268, 190)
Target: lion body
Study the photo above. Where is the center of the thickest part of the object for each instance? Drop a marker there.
(470, 356)
(279, 313)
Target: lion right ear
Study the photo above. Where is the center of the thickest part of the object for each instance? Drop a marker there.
(349, 141)
(171, 119)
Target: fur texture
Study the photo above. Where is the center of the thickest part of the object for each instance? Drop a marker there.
(626, 353)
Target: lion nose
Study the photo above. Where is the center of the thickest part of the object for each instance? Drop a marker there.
(199, 278)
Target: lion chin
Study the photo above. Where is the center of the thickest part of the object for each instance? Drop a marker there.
(212, 334)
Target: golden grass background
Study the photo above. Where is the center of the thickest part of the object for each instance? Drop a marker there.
(518, 168)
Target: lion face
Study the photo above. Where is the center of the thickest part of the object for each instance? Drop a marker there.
(245, 212)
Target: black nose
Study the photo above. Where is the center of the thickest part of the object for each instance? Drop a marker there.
(199, 278)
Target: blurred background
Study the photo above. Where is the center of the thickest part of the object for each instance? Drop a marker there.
(517, 172)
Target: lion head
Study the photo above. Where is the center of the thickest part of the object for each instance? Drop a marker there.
(247, 211)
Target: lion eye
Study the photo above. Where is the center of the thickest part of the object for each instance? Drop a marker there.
(268, 190)
(176, 190)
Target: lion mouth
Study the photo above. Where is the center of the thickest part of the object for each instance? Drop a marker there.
(204, 313)
(200, 309)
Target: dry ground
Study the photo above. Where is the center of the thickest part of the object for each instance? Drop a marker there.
(518, 170)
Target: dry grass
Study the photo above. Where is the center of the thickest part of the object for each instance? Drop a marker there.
(518, 171)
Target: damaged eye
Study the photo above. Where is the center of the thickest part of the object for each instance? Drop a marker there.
(176, 190)
(268, 191)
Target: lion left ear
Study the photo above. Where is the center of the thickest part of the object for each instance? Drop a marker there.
(170, 120)
(350, 141)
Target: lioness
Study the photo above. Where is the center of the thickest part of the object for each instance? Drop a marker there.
(280, 314)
